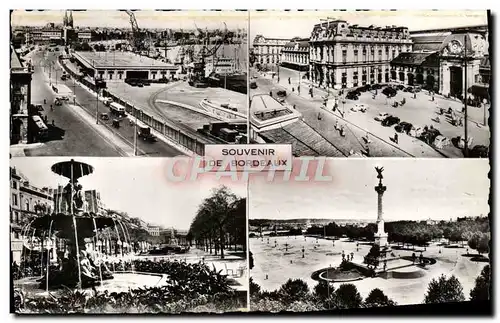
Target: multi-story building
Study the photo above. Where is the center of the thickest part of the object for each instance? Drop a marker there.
(268, 50)
(26, 202)
(154, 230)
(21, 129)
(85, 35)
(437, 61)
(295, 54)
(344, 55)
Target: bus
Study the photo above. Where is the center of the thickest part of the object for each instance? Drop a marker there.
(117, 109)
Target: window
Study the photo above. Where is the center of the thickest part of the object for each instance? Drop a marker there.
(372, 52)
(344, 80)
(27, 205)
(14, 199)
(393, 53)
(344, 56)
(355, 79)
(379, 54)
(14, 185)
(356, 57)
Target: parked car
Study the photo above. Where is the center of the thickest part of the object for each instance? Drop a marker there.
(281, 93)
(408, 89)
(390, 92)
(416, 131)
(359, 107)
(390, 121)
(364, 88)
(404, 127)
(479, 151)
(400, 87)
(441, 142)
(376, 87)
(253, 85)
(352, 95)
(145, 133)
(381, 116)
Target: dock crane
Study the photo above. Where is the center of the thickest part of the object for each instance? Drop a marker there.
(137, 39)
(198, 78)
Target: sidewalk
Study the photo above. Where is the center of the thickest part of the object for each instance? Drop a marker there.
(18, 150)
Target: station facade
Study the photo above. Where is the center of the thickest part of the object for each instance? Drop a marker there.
(345, 56)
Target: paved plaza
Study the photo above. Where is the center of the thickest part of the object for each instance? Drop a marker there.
(181, 92)
(419, 112)
(280, 264)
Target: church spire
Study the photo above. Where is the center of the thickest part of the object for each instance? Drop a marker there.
(65, 19)
(70, 20)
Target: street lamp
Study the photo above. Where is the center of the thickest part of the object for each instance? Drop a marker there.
(466, 148)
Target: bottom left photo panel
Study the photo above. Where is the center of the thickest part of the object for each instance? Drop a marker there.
(120, 235)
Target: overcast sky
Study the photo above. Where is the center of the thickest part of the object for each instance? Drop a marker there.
(281, 24)
(417, 189)
(138, 186)
(145, 19)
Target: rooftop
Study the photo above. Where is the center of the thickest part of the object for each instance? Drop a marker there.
(119, 60)
(409, 58)
(15, 62)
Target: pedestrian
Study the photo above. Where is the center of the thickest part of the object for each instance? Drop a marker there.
(415, 95)
(342, 131)
(289, 82)
(298, 89)
(293, 89)
(271, 93)
(433, 98)
(367, 155)
(336, 126)
(396, 140)
(51, 108)
(53, 123)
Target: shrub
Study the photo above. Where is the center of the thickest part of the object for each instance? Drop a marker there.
(347, 296)
(481, 291)
(443, 290)
(294, 290)
(377, 298)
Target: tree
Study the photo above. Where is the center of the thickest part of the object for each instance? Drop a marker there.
(443, 290)
(377, 298)
(250, 260)
(483, 243)
(323, 290)
(220, 221)
(254, 287)
(347, 296)
(481, 291)
(294, 290)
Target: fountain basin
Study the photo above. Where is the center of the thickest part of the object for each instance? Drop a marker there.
(121, 282)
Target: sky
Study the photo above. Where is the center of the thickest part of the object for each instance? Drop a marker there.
(417, 189)
(145, 19)
(138, 186)
(291, 24)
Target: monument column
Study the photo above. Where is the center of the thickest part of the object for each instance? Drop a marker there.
(380, 235)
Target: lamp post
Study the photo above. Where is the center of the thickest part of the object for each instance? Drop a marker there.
(97, 102)
(466, 148)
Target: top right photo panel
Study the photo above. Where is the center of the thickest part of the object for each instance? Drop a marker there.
(371, 83)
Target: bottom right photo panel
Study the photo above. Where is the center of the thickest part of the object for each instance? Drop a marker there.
(370, 233)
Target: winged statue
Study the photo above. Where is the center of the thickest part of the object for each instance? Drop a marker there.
(379, 172)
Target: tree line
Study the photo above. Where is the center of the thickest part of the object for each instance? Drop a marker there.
(295, 295)
(476, 232)
(220, 223)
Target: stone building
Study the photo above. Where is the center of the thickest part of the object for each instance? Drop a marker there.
(437, 60)
(21, 130)
(268, 50)
(295, 54)
(26, 202)
(345, 56)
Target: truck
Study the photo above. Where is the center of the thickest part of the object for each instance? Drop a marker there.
(145, 133)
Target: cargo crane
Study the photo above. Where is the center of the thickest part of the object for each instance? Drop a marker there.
(137, 40)
(197, 77)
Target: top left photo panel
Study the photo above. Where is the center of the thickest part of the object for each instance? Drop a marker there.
(123, 83)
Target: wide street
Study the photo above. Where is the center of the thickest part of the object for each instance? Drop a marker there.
(79, 134)
(417, 111)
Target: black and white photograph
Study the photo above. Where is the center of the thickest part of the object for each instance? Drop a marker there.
(114, 236)
(398, 232)
(127, 82)
(371, 83)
